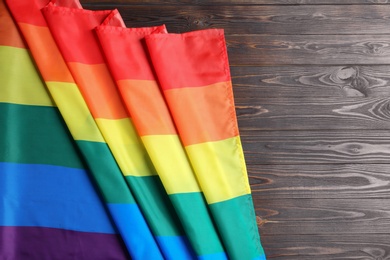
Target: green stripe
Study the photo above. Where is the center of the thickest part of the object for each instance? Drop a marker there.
(155, 205)
(36, 135)
(105, 172)
(236, 221)
(197, 222)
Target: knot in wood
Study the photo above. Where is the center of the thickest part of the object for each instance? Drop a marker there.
(347, 73)
(354, 148)
(260, 221)
(198, 22)
(377, 48)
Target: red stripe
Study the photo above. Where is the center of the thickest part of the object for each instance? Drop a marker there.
(192, 59)
(73, 30)
(126, 51)
(29, 11)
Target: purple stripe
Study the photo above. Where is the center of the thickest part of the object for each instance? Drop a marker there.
(51, 243)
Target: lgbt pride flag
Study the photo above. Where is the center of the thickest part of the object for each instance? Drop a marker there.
(92, 76)
(140, 155)
(49, 208)
(194, 74)
(104, 170)
(128, 61)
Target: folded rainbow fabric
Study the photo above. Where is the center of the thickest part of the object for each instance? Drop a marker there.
(125, 213)
(49, 207)
(128, 61)
(194, 75)
(82, 54)
(153, 124)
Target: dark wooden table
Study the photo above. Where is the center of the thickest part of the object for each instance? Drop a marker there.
(312, 85)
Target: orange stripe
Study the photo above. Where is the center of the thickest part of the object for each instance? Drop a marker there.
(48, 58)
(98, 90)
(203, 114)
(8, 30)
(147, 107)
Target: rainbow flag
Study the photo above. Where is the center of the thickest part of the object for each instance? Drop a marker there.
(140, 154)
(49, 206)
(119, 200)
(128, 61)
(193, 72)
(81, 51)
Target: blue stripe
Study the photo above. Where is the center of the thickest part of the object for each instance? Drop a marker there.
(134, 231)
(175, 247)
(50, 196)
(262, 257)
(216, 256)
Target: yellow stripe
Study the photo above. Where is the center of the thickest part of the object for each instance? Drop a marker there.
(19, 80)
(126, 147)
(171, 162)
(74, 111)
(220, 169)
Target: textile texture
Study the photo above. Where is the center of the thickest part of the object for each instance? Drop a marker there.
(117, 142)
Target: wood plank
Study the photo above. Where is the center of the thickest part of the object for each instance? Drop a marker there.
(310, 81)
(268, 19)
(268, 50)
(313, 113)
(324, 247)
(322, 216)
(235, 2)
(316, 147)
(326, 181)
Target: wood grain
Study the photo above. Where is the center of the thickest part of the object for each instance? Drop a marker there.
(266, 19)
(310, 81)
(320, 181)
(313, 113)
(316, 147)
(322, 216)
(266, 50)
(324, 247)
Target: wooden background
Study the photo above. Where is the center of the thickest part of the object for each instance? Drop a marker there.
(312, 85)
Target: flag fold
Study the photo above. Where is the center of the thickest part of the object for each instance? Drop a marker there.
(118, 142)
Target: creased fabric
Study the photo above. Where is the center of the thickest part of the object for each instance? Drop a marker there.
(193, 72)
(127, 57)
(127, 142)
(82, 54)
(49, 208)
(121, 205)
